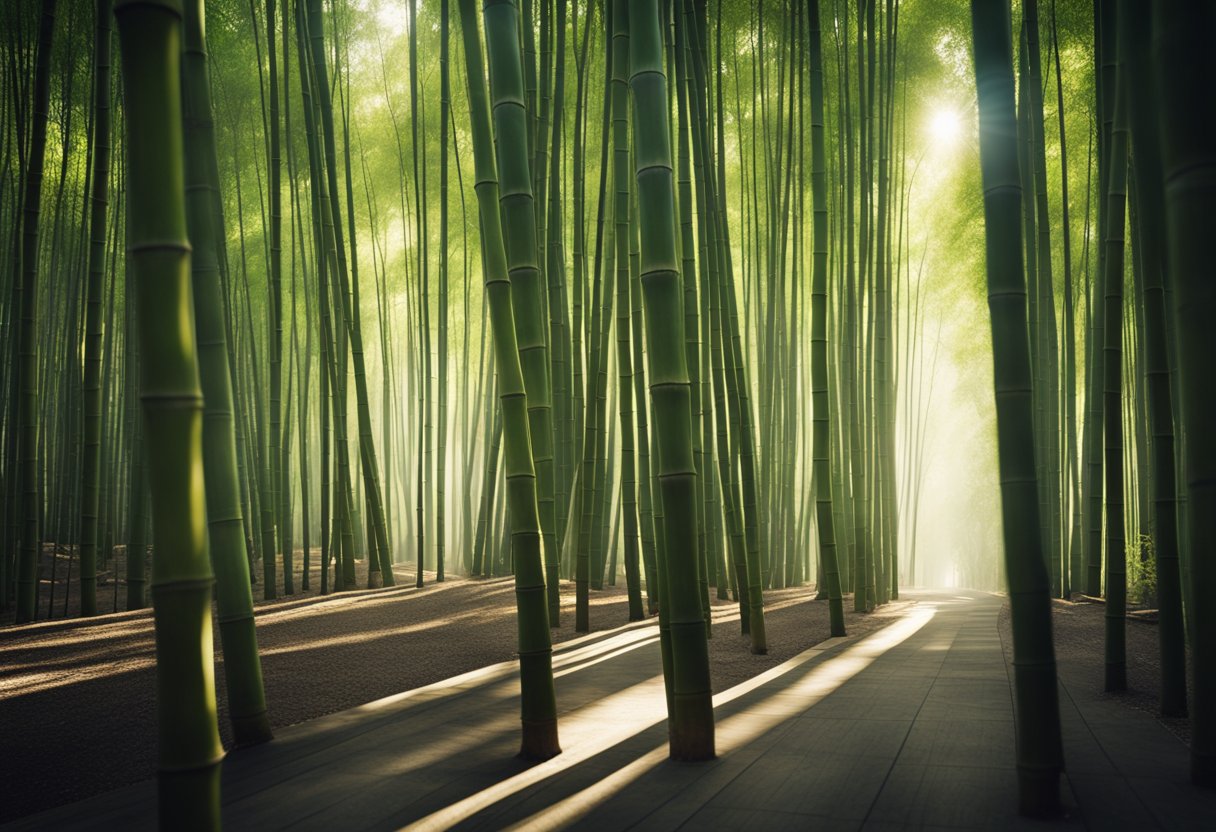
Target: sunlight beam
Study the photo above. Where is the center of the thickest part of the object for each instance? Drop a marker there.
(629, 712)
(738, 729)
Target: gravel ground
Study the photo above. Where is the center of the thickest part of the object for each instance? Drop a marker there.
(78, 696)
(1079, 632)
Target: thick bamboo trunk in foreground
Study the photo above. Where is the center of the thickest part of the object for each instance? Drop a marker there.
(538, 703)
(243, 668)
(519, 236)
(1137, 17)
(1186, 75)
(1039, 752)
(691, 723)
(189, 747)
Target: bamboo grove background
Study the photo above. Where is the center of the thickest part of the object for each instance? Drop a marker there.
(688, 288)
(827, 255)
(418, 399)
(414, 404)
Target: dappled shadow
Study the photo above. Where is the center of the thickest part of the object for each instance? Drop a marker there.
(437, 758)
(621, 743)
(73, 693)
(407, 755)
(94, 639)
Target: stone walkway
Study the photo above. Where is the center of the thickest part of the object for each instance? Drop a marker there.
(910, 727)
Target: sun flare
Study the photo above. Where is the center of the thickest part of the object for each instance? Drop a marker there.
(945, 126)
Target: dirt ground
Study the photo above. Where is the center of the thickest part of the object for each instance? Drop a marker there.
(59, 581)
(77, 696)
(1079, 632)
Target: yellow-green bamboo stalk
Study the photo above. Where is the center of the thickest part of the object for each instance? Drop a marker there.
(538, 703)
(519, 236)
(189, 747)
(821, 431)
(691, 727)
(225, 524)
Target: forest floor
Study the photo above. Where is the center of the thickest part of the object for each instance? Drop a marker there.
(1079, 631)
(905, 724)
(78, 696)
(59, 581)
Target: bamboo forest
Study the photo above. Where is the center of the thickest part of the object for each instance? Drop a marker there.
(607, 414)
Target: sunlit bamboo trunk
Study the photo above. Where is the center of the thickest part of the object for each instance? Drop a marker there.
(330, 530)
(247, 702)
(1072, 477)
(734, 366)
(821, 439)
(646, 517)
(687, 41)
(622, 209)
(445, 105)
(537, 700)
(189, 747)
(520, 235)
(566, 498)
(616, 51)
(691, 730)
(1104, 59)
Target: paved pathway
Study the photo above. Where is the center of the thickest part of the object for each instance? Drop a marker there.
(908, 727)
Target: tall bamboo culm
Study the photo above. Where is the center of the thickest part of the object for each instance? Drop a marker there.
(229, 558)
(1186, 72)
(1111, 283)
(28, 556)
(1161, 381)
(519, 236)
(1040, 756)
(90, 464)
(189, 750)
(821, 429)
(538, 703)
(691, 721)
